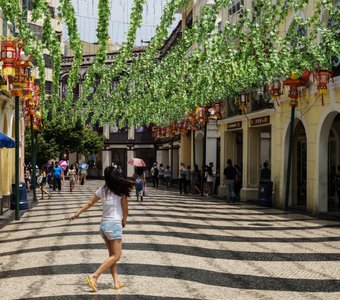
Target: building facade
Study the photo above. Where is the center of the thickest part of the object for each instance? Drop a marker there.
(261, 133)
(120, 144)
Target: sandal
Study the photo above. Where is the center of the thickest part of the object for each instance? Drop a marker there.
(121, 285)
(92, 284)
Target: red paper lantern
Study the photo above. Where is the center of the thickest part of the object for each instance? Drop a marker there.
(294, 84)
(8, 57)
(276, 89)
(322, 77)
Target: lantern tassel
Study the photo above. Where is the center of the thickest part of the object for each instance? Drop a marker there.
(322, 102)
(277, 102)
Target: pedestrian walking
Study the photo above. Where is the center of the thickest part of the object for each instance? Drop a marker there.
(196, 180)
(161, 174)
(167, 176)
(209, 175)
(113, 196)
(28, 179)
(155, 174)
(83, 172)
(72, 174)
(229, 175)
(41, 181)
(140, 183)
(57, 177)
(182, 179)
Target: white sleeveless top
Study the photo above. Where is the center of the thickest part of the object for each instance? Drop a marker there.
(112, 205)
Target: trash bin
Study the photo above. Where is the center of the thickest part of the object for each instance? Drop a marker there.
(265, 193)
(23, 202)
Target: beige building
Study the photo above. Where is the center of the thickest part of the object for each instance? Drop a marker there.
(261, 133)
(7, 104)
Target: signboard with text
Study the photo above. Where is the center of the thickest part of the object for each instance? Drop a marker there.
(260, 121)
(234, 125)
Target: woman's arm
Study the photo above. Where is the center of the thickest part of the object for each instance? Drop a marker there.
(125, 207)
(85, 207)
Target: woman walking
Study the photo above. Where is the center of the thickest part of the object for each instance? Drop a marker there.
(72, 174)
(139, 183)
(167, 176)
(41, 181)
(114, 196)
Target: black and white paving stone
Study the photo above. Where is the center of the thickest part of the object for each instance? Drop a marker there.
(174, 247)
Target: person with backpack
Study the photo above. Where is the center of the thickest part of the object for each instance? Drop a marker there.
(155, 174)
(183, 179)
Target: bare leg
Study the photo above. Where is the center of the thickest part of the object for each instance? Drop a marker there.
(115, 249)
(113, 269)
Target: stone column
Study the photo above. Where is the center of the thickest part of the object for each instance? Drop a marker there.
(222, 191)
(106, 160)
(130, 168)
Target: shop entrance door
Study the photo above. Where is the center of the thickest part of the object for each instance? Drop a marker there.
(301, 183)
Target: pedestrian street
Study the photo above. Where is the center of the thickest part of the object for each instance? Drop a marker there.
(174, 247)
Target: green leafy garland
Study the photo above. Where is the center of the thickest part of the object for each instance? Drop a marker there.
(99, 62)
(107, 76)
(244, 56)
(219, 65)
(112, 112)
(68, 14)
(51, 42)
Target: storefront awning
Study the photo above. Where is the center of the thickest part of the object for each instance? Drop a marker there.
(5, 141)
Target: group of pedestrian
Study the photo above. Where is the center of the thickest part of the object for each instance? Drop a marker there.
(193, 181)
(52, 174)
(233, 180)
(160, 175)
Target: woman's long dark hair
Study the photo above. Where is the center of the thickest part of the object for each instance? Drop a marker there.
(116, 183)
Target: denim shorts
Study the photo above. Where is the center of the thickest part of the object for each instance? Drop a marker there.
(111, 229)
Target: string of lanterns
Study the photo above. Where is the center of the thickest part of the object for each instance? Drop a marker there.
(294, 84)
(17, 80)
(196, 120)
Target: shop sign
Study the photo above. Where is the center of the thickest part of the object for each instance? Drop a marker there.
(259, 121)
(234, 125)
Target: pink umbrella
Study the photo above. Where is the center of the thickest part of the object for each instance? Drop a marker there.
(137, 162)
(63, 164)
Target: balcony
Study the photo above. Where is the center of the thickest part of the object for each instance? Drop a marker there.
(257, 100)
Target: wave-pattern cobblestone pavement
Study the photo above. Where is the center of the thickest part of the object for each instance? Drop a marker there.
(175, 247)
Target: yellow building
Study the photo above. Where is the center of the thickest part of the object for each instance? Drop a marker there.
(261, 133)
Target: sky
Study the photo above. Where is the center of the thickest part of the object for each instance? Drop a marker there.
(87, 16)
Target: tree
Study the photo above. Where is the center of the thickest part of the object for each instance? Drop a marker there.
(46, 149)
(91, 142)
(55, 137)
